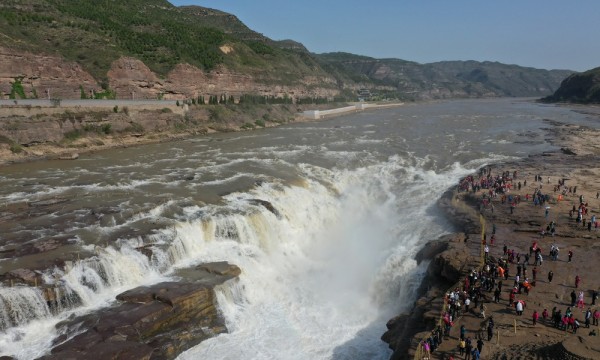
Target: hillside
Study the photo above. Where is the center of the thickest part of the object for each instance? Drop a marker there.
(579, 88)
(151, 49)
(449, 78)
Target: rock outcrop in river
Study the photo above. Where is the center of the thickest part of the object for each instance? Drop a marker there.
(149, 322)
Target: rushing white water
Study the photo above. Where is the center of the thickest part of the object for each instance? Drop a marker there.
(318, 282)
(322, 270)
(334, 259)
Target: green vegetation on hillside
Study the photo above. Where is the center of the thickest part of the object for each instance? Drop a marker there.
(581, 88)
(95, 33)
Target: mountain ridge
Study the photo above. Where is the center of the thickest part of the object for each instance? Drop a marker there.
(165, 44)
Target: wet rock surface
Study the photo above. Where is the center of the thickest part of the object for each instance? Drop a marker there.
(149, 322)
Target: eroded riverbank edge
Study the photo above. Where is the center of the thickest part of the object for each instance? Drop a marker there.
(34, 133)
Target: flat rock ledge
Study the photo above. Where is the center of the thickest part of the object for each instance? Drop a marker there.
(149, 322)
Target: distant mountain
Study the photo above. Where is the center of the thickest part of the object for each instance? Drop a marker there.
(448, 78)
(579, 88)
(150, 49)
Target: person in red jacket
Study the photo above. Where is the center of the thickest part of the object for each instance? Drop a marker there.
(535, 317)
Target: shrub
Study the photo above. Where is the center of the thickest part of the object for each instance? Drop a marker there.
(16, 148)
(135, 127)
(17, 89)
(105, 128)
(73, 135)
(247, 126)
(166, 111)
(116, 109)
(260, 122)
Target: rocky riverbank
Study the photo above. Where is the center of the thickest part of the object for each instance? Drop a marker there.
(29, 133)
(452, 257)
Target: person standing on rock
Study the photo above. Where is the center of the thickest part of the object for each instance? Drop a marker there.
(482, 309)
(596, 317)
(550, 276)
(580, 303)
(467, 303)
(594, 297)
(490, 329)
(570, 255)
(427, 349)
(577, 281)
(497, 293)
(468, 349)
(545, 315)
(588, 317)
(535, 317)
(519, 308)
(480, 345)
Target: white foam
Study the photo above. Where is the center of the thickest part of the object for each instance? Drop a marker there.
(336, 262)
(320, 272)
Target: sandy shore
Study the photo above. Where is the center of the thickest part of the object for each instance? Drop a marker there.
(513, 336)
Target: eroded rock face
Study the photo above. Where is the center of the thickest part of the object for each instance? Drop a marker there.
(47, 76)
(41, 73)
(449, 255)
(150, 322)
(131, 78)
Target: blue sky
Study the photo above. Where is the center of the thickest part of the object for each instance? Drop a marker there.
(547, 34)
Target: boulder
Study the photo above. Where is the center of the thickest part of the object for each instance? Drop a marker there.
(25, 275)
(220, 268)
(158, 321)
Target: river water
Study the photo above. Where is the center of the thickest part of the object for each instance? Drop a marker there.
(353, 197)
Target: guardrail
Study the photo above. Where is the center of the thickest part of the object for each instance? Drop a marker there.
(318, 114)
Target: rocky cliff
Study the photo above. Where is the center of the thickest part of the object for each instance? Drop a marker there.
(451, 258)
(581, 88)
(50, 76)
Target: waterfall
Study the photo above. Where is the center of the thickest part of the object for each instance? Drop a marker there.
(20, 304)
(338, 242)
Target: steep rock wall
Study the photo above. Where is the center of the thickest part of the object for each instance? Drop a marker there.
(130, 78)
